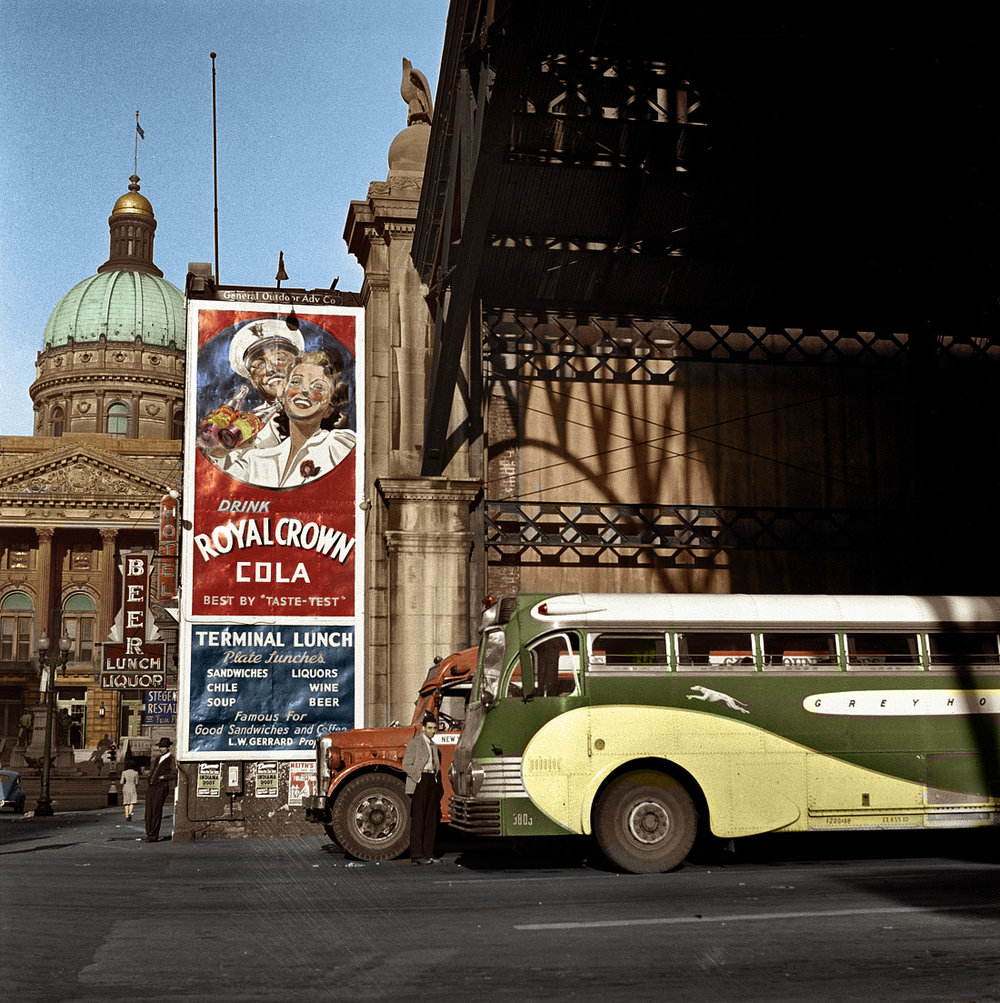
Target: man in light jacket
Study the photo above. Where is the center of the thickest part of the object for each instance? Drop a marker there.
(422, 765)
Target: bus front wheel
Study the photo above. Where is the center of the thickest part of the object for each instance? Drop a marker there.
(645, 822)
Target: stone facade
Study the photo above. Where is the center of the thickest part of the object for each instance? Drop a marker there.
(87, 486)
(77, 385)
(417, 537)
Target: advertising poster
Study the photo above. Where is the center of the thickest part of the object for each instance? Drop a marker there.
(209, 780)
(272, 558)
(275, 464)
(266, 780)
(301, 781)
(260, 689)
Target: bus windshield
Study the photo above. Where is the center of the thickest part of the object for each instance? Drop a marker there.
(490, 667)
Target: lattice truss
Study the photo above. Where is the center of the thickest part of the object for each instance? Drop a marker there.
(571, 103)
(592, 111)
(691, 535)
(546, 346)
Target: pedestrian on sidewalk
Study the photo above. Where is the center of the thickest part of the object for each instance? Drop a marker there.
(422, 765)
(162, 777)
(130, 790)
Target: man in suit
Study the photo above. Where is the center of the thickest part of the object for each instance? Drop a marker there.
(162, 778)
(422, 765)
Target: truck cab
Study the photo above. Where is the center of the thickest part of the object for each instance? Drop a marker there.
(360, 783)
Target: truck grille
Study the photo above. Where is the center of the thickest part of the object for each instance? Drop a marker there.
(475, 815)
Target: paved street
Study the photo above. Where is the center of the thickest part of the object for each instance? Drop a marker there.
(93, 913)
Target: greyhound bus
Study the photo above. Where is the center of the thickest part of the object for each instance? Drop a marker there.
(639, 718)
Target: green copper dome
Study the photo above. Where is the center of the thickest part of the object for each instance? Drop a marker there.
(119, 305)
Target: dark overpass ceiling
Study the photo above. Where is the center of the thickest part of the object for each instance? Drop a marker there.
(804, 169)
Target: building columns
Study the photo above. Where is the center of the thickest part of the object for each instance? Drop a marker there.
(45, 622)
(428, 544)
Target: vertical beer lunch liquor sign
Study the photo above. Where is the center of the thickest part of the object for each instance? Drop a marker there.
(133, 654)
(272, 617)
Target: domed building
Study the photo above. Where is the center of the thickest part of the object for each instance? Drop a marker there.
(113, 350)
(85, 489)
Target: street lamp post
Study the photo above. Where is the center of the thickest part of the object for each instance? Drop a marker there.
(52, 663)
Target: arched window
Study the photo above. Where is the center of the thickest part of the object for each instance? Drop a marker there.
(177, 426)
(118, 420)
(17, 615)
(78, 621)
(58, 422)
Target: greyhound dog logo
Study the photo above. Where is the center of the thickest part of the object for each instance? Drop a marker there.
(714, 696)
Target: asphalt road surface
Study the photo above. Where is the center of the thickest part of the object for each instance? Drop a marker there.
(90, 912)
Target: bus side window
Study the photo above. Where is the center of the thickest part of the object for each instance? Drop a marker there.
(628, 655)
(799, 651)
(554, 664)
(714, 650)
(963, 649)
(882, 651)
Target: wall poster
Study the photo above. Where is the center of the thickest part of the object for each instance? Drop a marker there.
(272, 617)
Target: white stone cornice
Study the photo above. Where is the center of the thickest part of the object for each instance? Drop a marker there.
(428, 488)
(401, 541)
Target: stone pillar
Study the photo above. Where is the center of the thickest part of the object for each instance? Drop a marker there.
(107, 618)
(428, 545)
(45, 577)
(417, 531)
(108, 570)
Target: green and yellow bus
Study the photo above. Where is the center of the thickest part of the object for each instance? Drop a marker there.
(637, 717)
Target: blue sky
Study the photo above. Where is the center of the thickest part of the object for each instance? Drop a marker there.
(308, 103)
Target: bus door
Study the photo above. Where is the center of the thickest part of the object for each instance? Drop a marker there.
(555, 665)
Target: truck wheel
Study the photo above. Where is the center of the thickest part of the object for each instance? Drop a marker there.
(371, 817)
(645, 822)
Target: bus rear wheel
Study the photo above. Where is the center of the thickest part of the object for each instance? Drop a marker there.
(645, 822)
(371, 817)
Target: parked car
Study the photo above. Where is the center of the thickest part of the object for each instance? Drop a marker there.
(11, 792)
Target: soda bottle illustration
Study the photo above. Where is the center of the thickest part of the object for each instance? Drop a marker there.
(245, 428)
(222, 416)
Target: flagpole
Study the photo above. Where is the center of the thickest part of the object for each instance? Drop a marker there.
(215, 171)
(137, 142)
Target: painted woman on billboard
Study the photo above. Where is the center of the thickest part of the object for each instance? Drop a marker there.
(275, 474)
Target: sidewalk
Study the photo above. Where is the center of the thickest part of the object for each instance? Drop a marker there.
(79, 826)
(73, 793)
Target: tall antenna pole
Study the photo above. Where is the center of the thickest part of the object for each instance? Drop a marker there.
(215, 172)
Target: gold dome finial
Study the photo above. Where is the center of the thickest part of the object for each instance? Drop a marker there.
(132, 203)
(132, 226)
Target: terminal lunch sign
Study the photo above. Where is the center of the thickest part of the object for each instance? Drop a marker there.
(133, 660)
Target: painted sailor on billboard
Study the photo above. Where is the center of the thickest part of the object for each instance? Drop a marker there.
(272, 490)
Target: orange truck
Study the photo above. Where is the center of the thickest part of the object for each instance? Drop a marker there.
(360, 799)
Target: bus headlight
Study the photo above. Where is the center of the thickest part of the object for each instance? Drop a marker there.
(477, 775)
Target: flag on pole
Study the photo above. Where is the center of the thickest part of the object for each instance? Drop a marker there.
(138, 129)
